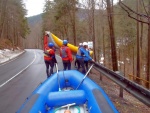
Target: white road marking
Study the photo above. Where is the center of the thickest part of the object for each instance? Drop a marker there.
(19, 72)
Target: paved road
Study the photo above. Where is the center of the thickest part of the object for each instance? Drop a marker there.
(20, 77)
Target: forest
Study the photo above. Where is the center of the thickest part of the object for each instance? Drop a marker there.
(120, 31)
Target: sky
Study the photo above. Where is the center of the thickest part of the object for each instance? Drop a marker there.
(35, 7)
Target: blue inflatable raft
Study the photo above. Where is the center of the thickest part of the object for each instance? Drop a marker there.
(59, 92)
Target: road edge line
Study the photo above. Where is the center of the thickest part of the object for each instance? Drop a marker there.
(19, 72)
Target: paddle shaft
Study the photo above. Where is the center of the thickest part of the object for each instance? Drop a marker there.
(85, 76)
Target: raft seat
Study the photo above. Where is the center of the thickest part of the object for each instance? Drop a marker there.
(61, 98)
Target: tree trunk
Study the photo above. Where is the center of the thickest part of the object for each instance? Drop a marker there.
(133, 60)
(3, 16)
(138, 48)
(148, 57)
(103, 34)
(93, 29)
(74, 22)
(104, 46)
(112, 37)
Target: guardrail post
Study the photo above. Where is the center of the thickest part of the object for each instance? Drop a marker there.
(100, 76)
(121, 89)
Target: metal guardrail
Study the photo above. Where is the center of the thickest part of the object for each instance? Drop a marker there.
(133, 88)
(135, 77)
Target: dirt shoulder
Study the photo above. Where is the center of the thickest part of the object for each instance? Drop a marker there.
(127, 104)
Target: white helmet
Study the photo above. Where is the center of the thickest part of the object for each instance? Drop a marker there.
(85, 43)
(80, 44)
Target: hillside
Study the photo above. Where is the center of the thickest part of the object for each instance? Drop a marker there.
(34, 19)
(33, 40)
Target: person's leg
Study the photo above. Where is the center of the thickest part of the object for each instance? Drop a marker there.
(78, 63)
(86, 65)
(65, 65)
(52, 66)
(75, 63)
(81, 61)
(69, 65)
(54, 59)
(47, 68)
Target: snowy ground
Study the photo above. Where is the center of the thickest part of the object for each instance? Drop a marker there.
(6, 54)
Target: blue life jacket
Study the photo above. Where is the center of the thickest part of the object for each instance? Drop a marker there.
(86, 58)
(82, 54)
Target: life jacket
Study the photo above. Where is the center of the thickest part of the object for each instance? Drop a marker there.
(47, 55)
(63, 52)
(79, 53)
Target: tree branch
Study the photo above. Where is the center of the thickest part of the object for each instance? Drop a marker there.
(144, 7)
(127, 9)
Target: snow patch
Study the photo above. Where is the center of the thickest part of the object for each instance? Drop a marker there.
(6, 54)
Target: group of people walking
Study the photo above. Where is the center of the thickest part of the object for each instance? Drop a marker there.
(82, 57)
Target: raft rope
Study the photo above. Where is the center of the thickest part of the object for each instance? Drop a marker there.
(58, 77)
(64, 79)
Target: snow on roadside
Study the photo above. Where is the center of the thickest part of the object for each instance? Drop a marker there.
(6, 54)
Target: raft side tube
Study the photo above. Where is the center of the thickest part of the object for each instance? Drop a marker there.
(66, 97)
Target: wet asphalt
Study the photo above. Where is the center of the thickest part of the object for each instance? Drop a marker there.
(20, 77)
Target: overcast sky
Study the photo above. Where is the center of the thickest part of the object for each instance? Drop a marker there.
(35, 7)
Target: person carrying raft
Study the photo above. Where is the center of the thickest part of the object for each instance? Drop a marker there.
(66, 55)
(83, 54)
(49, 58)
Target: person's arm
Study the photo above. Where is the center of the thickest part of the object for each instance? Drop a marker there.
(86, 54)
(53, 56)
(45, 42)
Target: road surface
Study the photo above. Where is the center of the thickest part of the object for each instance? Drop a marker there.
(20, 77)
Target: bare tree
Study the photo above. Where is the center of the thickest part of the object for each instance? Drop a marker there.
(138, 68)
(143, 18)
(74, 21)
(112, 35)
(3, 12)
(93, 29)
(148, 57)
